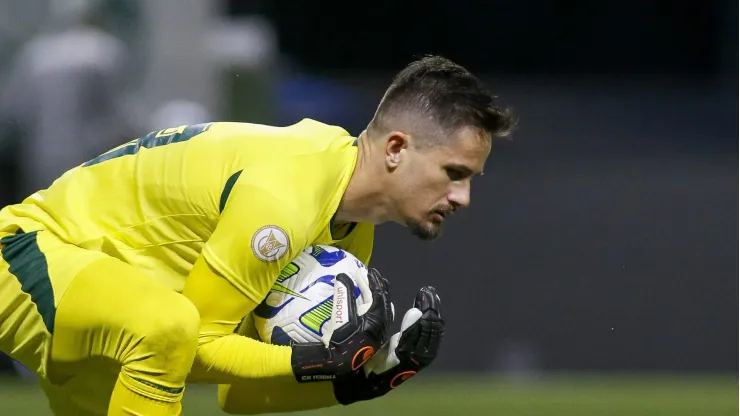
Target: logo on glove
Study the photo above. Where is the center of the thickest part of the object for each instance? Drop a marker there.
(361, 357)
(400, 378)
(340, 299)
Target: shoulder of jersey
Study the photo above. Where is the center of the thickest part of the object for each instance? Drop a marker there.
(306, 159)
(306, 136)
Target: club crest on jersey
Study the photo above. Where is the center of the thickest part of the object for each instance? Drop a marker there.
(270, 243)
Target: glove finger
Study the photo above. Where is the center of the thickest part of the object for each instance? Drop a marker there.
(378, 284)
(432, 324)
(392, 359)
(409, 340)
(411, 317)
(422, 346)
(382, 306)
(377, 320)
(344, 311)
(427, 300)
(420, 340)
(365, 301)
(360, 277)
(409, 335)
(430, 337)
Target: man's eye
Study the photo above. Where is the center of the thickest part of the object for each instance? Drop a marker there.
(455, 175)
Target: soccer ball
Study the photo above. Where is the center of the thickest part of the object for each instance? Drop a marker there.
(299, 305)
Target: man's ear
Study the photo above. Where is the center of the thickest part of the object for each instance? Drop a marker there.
(395, 147)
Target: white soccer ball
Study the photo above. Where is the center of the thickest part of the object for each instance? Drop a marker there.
(300, 304)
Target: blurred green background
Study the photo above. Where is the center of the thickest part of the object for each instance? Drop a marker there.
(613, 221)
(552, 395)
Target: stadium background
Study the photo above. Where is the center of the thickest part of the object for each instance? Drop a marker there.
(596, 273)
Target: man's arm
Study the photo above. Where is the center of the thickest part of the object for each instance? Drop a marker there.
(257, 236)
(225, 357)
(276, 394)
(230, 358)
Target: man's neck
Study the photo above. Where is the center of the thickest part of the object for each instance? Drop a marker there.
(364, 200)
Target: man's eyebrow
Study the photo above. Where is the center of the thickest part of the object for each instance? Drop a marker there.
(464, 169)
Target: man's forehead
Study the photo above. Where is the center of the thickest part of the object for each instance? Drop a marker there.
(468, 150)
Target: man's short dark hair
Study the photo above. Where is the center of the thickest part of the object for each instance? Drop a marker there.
(439, 89)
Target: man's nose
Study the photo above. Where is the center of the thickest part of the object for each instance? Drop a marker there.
(460, 195)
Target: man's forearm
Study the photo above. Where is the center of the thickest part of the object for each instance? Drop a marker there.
(223, 356)
(233, 358)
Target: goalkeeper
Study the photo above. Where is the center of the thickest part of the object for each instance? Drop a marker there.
(142, 262)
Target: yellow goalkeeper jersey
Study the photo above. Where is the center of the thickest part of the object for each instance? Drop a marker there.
(247, 197)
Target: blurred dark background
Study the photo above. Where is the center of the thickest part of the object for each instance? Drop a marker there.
(604, 236)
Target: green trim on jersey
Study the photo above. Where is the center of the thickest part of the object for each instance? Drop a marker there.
(153, 139)
(227, 190)
(171, 390)
(28, 264)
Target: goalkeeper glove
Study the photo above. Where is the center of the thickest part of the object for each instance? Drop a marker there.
(407, 353)
(349, 346)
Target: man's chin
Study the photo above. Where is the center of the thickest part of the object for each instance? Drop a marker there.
(426, 231)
